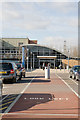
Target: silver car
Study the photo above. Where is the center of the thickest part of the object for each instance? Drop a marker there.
(8, 71)
(75, 72)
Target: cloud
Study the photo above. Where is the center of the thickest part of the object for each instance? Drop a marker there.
(31, 18)
(39, 0)
(50, 22)
(58, 42)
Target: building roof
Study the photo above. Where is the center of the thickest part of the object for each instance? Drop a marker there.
(46, 57)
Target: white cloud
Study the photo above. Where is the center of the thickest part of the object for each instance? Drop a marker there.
(35, 25)
(0, 20)
(58, 41)
(53, 20)
(39, 0)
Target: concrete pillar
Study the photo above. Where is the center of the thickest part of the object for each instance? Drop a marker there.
(27, 59)
(54, 63)
(23, 56)
(33, 61)
(39, 63)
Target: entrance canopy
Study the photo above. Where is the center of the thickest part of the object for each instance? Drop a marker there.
(46, 57)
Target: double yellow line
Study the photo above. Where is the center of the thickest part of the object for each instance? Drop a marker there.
(9, 99)
(7, 102)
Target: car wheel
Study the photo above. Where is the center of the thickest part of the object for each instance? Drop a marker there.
(73, 77)
(14, 80)
(24, 75)
(76, 78)
(70, 76)
(21, 76)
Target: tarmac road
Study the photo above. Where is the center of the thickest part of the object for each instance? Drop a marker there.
(35, 97)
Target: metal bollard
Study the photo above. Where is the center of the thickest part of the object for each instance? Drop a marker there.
(47, 72)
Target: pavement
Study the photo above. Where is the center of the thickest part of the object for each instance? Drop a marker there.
(45, 99)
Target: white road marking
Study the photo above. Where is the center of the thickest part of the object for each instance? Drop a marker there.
(76, 115)
(47, 98)
(74, 81)
(8, 109)
(69, 87)
(4, 98)
(4, 87)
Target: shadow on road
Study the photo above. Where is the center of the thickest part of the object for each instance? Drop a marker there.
(34, 81)
(29, 100)
(28, 79)
(35, 77)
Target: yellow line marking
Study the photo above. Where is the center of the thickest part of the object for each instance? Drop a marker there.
(6, 103)
(4, 108)
(8, 99)
(11, 96)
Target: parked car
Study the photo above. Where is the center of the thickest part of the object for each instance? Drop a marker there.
(75, 72)
(20, 70)
(8, 71)
(77, 77)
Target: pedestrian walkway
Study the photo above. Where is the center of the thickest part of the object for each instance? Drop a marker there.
(44, 98)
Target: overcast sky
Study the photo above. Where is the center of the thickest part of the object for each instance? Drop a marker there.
(48, 22)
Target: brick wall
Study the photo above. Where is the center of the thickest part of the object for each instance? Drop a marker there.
(32, 41)
(71, 62)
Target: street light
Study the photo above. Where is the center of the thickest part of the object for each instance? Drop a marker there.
(60, 59)
(68, 59)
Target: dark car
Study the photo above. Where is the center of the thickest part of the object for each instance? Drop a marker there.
(8, 71)
(75, 72)
(20, 70)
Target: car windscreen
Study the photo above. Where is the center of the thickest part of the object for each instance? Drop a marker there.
(18, 66)
(5, 66)
(77, 68)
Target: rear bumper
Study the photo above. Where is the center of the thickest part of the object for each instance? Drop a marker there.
(78, 77)
(8, 77)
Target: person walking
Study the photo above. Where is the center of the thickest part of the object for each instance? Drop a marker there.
(60, 66)
(43, 66)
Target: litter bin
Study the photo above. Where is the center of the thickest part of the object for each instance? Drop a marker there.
(47, 72)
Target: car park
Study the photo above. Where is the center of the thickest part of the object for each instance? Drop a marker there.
(75, 72)
(8, 71)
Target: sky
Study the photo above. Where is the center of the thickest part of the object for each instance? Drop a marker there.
(48, 22)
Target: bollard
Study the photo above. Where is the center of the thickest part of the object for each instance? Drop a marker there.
(47, 72)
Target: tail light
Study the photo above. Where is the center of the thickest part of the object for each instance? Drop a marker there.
(12, 71)
(22, 67)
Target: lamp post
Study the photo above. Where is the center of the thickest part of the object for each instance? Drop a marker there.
(68, 59)
(60, 59)
(60, 62)
(31, 61)
(27, 58)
